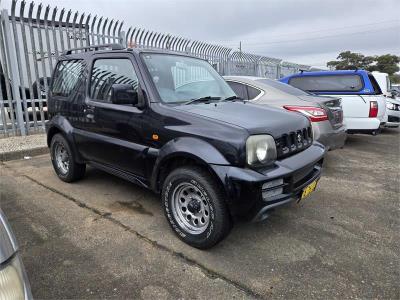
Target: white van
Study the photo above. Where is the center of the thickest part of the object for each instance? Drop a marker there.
(392, 103)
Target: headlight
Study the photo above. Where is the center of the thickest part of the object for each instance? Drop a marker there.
(11, 282)
(390, 106)
(260, 150)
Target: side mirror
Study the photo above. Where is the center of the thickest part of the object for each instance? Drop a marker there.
(124, 94)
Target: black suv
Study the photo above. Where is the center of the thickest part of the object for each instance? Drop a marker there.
(169, 122)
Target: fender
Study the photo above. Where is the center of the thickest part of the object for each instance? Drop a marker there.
(61, 124)
(188, 147)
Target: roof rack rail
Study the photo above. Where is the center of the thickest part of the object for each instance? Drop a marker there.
(95, 48)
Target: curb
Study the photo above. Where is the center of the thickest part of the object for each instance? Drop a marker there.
(20, 154)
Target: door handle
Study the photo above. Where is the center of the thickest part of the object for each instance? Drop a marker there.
(89, 113)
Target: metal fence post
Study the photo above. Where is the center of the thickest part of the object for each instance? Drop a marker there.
(122, 38)
(13, 70)
(278, 71)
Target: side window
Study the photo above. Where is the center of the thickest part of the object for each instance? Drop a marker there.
(253, 92)
(107, 72)
(328, 83)
(66, 77)
(375, 85)
(239, 89)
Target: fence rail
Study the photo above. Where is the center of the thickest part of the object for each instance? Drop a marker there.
(33, 36)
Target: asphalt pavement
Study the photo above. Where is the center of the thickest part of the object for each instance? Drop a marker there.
(103, 237)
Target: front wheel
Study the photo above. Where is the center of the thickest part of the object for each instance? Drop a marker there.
(195, 208)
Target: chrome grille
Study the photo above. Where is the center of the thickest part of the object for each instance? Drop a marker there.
(293, 142)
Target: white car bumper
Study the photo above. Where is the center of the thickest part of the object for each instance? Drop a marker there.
(362, 124)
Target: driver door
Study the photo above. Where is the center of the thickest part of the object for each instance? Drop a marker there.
(113, 135)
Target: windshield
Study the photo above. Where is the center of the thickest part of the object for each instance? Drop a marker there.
(180, 79)
(283, 87)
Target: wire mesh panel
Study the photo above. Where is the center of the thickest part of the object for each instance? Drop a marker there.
(32, 37)
(288, 68)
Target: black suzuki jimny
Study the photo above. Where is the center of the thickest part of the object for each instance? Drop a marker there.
(169, 122)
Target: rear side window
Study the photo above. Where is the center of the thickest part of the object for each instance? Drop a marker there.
(239, 89)
(253, 92)
(375, 85)
(107, 72)
(328, 83)
(67, 77)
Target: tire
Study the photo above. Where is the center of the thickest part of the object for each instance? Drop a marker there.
(192, 191)
(63, 159)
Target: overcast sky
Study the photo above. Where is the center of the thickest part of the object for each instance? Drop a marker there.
(303, 31)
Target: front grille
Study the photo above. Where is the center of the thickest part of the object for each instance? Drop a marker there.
(293, 142)
(393, 119)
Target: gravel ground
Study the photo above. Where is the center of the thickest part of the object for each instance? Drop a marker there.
(17, 147)
(103, 237)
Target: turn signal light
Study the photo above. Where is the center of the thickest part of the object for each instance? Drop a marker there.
(373, 109)
(315, 114)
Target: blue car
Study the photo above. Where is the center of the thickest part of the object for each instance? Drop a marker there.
(364, 106)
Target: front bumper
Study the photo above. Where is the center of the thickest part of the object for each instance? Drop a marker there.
(244, 187)
(393, 118)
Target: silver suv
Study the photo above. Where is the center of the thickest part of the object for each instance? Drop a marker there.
(14, 283)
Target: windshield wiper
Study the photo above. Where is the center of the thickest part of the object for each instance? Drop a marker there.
(203, 99)
(232, 98)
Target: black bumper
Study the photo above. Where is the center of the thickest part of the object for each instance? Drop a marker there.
(244, 187)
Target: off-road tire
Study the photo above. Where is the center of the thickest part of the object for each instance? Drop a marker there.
(219, 220)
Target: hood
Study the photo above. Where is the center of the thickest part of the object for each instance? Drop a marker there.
(256, 119)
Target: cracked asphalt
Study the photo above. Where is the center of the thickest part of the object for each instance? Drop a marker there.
(103, 237)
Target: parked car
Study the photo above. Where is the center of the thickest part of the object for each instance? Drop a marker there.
(364, 106)
(14, 283)
(37, 87)
(325, 113)
(170, 123)
(392, 101)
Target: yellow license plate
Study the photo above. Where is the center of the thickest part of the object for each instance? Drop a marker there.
(309, 189)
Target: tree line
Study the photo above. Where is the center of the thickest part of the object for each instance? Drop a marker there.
(387, 63)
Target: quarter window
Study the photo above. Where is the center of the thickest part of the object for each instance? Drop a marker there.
(67, 77)
(107, 72)
(375, 85)
(328, 83)
(239, 89)
(253, 92)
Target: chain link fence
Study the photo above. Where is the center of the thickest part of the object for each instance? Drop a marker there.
(32, 37)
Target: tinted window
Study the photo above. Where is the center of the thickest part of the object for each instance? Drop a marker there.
(66, 77)
(286, 88)
(375, 85)
(107, 72)
(253, 92)
(328, 83)
(239, 89)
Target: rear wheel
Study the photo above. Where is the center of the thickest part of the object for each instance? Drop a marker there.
(195, 207)
(63, 160)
